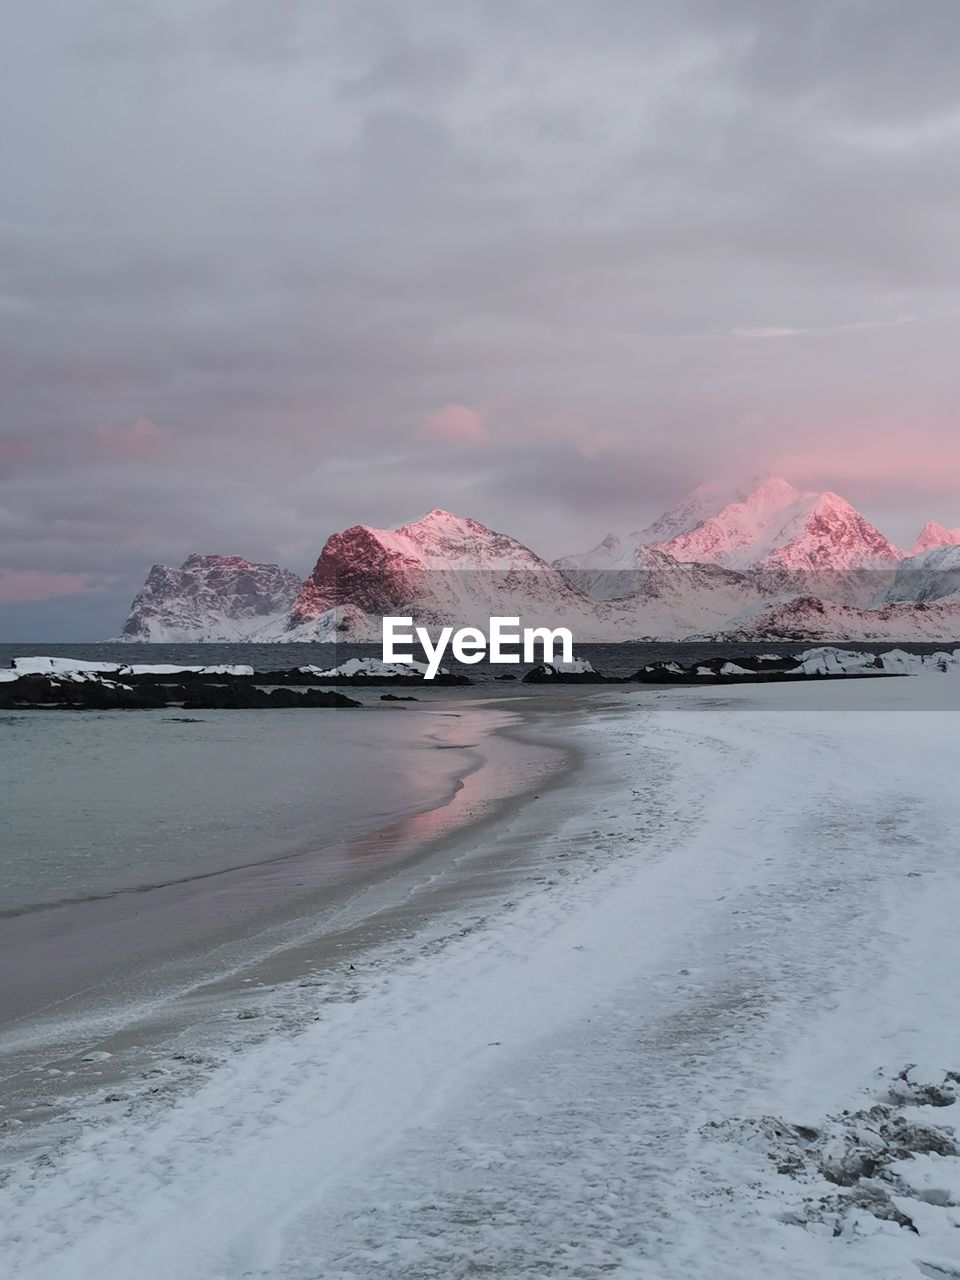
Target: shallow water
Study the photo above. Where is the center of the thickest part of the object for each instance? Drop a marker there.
(133, 836)
(95, 804)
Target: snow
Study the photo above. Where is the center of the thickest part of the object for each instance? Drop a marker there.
(920, 664)
(67, 674)
(371, 667)
(44, 666)
(164, 669)
(830, 660)
(62, 666)
(576, 666)
(734, 932)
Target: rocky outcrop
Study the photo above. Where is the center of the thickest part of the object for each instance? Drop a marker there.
(98, 693)
(579, 671)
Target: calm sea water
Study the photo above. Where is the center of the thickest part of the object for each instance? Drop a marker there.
(96, 804)
(128, 836)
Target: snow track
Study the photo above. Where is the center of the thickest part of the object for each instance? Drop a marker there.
(747, 909)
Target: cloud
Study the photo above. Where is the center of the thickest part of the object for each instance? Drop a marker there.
(140, 440)
(767, 331)
(18, 585)
(16, 449)
(310, 239)
(456, 424)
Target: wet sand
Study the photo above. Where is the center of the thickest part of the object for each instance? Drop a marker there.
(183, 959)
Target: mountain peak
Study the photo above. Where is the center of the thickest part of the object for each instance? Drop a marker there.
(933, 534)
(776, 525)
(208, 598)
(377, 570)
(772, 490)
(439, 515)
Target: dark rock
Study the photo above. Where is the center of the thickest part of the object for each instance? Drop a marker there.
(753, 670)
(49, 692)
(545, 673)
(397, 697)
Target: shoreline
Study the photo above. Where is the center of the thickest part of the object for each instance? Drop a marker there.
(129, 1015)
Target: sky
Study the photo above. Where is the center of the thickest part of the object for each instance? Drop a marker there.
(271, 268)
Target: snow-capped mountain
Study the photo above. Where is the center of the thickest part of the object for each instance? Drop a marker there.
(651, 594)
(692, 510)
(779, 527)
(605, 571)
(932, 575)
(774, 560)
(615, 568)
(443, 569)
(210, 598)
(935, 535)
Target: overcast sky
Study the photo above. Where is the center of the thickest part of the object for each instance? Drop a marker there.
(269, 268)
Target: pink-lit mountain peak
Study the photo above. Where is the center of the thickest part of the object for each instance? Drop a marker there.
(776, 525)
(386, 571)
(934, 535)
(706, 500)
(442, 540)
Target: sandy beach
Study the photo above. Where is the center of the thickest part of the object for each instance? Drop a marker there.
(622, 1032)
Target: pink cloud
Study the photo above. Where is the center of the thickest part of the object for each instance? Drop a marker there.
(16, 449)
(880, 452)
(17, 585)
(457, 424)
(141, 440)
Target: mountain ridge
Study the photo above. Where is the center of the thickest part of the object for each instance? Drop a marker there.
(731, 563)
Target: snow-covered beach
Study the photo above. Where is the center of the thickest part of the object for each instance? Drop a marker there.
(744, 908)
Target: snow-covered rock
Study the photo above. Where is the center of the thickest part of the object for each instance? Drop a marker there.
(831, 660)
(819, 662)
(39, 665)
(210, 598)
(576, 671)
(576, 666)
(371, 667)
